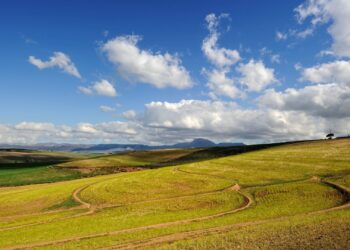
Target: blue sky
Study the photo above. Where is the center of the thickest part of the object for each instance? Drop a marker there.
(169, 76)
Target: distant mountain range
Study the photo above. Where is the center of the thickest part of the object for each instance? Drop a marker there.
(105, 148)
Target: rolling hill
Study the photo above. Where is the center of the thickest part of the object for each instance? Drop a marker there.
(281, 197)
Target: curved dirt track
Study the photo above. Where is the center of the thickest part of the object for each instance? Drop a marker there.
(166, 239)
(176, 236)
(93, 208)
(75, 197)
(247, 204)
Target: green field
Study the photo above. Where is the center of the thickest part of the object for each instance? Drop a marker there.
(23, 167)
(289, 196)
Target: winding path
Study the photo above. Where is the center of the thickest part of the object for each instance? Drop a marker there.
(152, 242)
(248, 201)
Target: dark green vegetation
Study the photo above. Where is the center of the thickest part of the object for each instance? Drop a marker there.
(35, 174)
(23, 167)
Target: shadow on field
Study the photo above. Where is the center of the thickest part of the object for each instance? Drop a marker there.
(217, 152)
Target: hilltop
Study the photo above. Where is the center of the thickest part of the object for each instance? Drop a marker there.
(105, 148)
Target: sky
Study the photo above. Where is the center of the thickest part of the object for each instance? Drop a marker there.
(161, 72)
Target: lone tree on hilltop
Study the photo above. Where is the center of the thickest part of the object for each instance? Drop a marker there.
(330, 135)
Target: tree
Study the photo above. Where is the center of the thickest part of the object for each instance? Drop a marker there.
(330, 136)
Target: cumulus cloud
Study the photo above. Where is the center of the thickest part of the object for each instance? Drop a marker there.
(145, 66)
(86, 128)
(220, 57)
(328, 97)
(35, 126)
(106, 109)
(324, 11)
(255, 75)
(326, 101)
(222, 120)
(220, 84)
(59, 60)
(219, 80)
(130, 115)
(31, 132)
(289, 115)
(102, 87)
(333, 72)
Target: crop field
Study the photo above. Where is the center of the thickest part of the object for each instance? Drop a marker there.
(14, 156)
(290, 196)
(128, 159)
(23, 167)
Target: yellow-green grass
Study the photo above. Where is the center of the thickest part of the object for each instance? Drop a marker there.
(278, 179)
(291, 199)
(288, 162)
(328, 231)
(149, 185)
(130, 159)
(31, 219)
(342, 180)
(128, 216)
(36, 198)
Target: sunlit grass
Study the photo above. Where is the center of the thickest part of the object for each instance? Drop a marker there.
(279, 180)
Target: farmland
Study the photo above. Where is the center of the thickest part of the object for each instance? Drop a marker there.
(282, 196)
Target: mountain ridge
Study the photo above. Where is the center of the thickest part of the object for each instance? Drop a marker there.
(67, 147)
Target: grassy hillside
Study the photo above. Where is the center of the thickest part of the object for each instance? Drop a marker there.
(23, 167)
(18, 157)
(129, 159)
(288, 196)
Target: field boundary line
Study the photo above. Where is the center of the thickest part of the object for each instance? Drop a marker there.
(184, 235)
(247, 203)
(170, 238)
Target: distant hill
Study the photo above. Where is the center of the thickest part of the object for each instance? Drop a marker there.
(196, 143)
(105, 148)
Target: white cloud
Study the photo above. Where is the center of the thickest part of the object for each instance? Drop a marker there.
(106, 109)
(86, 90)
(86, 128)
(130, 115)
(293, 114)
(31, 132)
(335, 11)
(326, 101)
(281, 36)
(275, 58)
(329, 98)
(255, 75)
(102, 87)
(59, 60)
(220, 57)
(135, 64)
(223, 120)
(218, 80)
(220, 84)
(333, 72)
(35, 126)
(304, 33)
